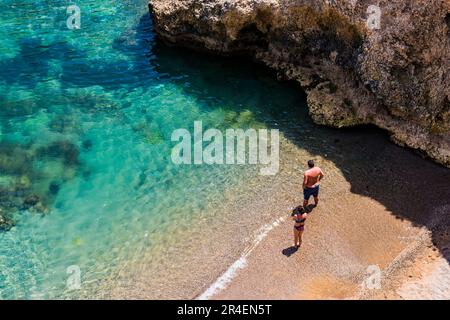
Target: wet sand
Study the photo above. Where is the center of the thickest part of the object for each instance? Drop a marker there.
(376, 209)
(399, 223)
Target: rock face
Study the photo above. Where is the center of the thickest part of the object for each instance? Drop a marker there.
(387, 65)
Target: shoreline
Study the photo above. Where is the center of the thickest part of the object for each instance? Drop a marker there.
(90, 193)
(406, 253)
(233, 257)
(397, 278)
(226, 278)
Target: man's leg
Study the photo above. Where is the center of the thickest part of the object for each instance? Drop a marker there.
(306, 196)
(316, 197)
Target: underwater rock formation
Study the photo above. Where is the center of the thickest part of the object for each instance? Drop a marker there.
(6, 221)
(386, 65)
(30, 177)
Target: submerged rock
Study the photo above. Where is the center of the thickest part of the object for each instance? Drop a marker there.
(26, 187)
(64, 150)
(6, 221)
(386, 65)
(31, 200)
(11, 198)
(54, 188)
(151, 133)
(87, 144)
(14, 159)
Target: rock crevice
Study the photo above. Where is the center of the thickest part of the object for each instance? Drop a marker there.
(382, 62)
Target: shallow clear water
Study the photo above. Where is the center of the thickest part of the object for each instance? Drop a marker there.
(85, 121)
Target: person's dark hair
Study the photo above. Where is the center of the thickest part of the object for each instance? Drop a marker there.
(311, 163)
(298, 210)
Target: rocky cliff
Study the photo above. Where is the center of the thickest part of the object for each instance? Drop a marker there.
(382, 62)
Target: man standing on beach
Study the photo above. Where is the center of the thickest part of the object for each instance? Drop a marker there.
(311, 183)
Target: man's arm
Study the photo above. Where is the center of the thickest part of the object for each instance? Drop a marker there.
(320, 177)
(305, 180)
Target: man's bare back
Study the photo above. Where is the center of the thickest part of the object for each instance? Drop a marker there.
(311, 183)
(312, 177)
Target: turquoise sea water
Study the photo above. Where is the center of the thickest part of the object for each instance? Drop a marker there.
(85, 123)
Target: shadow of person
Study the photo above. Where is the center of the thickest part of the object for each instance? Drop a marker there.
(289, 251)
(309, 208)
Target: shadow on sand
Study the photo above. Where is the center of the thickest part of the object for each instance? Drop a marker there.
(290, 251)
(406, 184)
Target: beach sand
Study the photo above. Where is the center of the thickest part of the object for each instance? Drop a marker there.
(381, 206)
(397, 223)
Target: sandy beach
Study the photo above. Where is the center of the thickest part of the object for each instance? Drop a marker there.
(98, 202)
(374, 213)
(382, 208)
(385, 216)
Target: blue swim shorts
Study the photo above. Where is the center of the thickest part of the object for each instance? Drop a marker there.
(308, 192)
